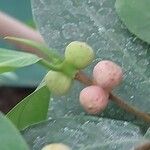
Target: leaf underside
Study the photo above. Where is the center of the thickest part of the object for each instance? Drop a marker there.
(80, 133)
(97, 23)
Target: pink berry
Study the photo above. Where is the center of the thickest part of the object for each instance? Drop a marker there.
(94, 99)
(107, 74)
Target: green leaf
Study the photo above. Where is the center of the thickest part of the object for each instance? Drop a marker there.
(82, 133)
(97, 23)
(136, 16)
(29, 76)
(11, 60)
(10, 138)
(32, 109)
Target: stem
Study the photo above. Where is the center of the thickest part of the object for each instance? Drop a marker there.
(46, 64)
(63, 67)
(80, 76)
(145, 146)
(68, 69)
(47, 52)
(121, 103)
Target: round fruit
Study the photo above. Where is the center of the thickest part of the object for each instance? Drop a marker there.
(79, 54)
(57, 82)
(94, 99)
(107, 74)
(56, 146)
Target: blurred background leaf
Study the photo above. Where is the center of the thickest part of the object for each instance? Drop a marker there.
(10, 137)
(11, 60)
(135, 14)
(28, 76)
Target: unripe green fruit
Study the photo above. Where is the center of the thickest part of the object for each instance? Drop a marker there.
(79, 54)
(56, 146)
(57, 82)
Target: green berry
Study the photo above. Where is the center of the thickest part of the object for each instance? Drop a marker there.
(79, 54)
(56, 146)
(57, 82)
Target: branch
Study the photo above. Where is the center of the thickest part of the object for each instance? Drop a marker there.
(145, 146)
(80, 76)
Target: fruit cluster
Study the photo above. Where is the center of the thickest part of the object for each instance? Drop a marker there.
(95, 98)
(106, 76)
(78, 55)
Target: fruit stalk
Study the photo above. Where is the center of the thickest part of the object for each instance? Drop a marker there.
(145, 146)
(80, 76)
(46, 64)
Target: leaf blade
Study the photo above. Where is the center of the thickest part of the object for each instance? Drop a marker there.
(11, 60)
(129, 10)
(30, 110)
(97, 23)
(10, 137)
(85, 132)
